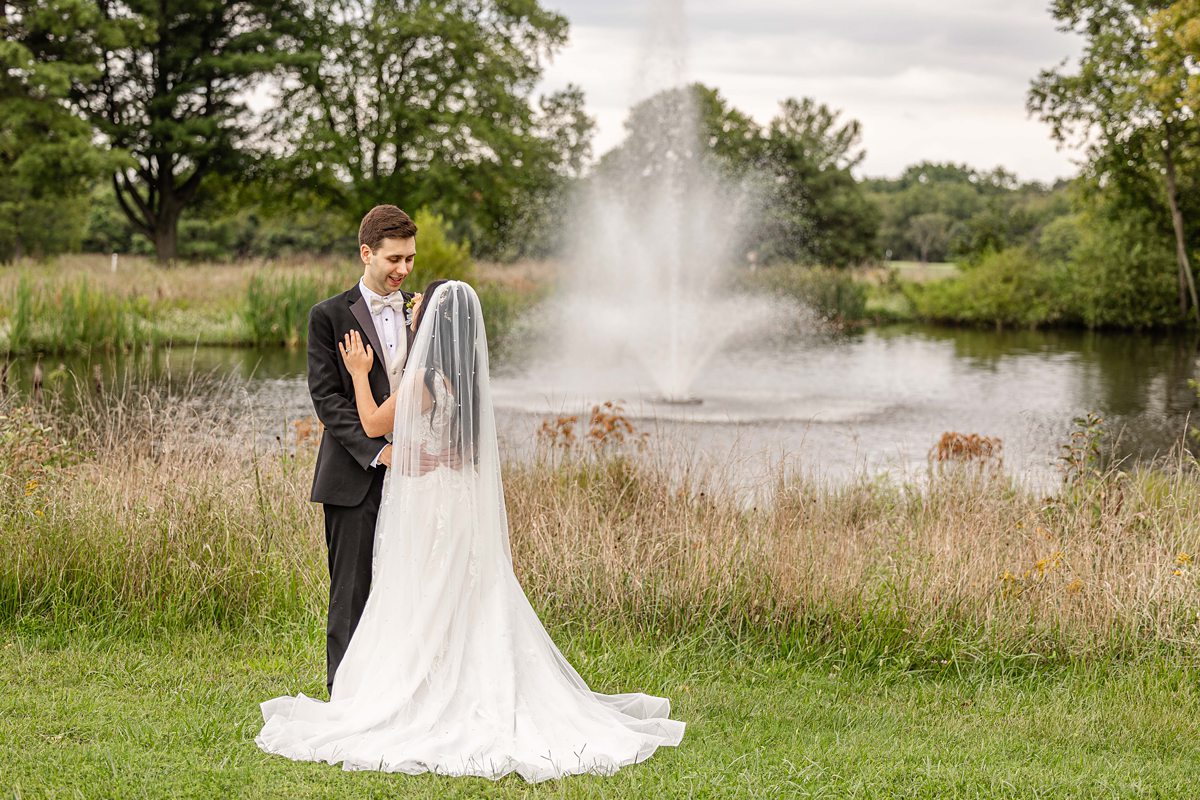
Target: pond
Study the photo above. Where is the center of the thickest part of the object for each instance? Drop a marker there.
(828, 404)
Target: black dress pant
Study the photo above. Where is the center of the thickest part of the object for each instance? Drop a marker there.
(350, 537)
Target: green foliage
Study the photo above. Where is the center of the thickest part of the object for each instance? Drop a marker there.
(438, 257)
(1123, 270)
(275, 311)
(1125, 101)
(47, 157)
(503, 308)
(1008, 288)
(832, 293)
(815, 211)
(936, 212)
(1060, 237)
(1082, 457)
(170, 91)
(433, 109)
(929, 232)
(1096, 268)
(107, 229)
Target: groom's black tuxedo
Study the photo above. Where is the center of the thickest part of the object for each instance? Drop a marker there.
(344, 481)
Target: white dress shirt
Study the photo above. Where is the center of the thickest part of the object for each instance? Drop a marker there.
(389, 326)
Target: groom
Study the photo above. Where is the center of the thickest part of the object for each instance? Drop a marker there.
(350, 464)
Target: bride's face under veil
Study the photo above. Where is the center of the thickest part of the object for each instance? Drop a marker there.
(444, 409)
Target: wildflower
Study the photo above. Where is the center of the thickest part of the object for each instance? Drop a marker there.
(30, 487)
(1075, 586)
(1178, 572)
(1183, 559)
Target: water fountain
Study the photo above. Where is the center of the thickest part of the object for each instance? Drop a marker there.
(657, 232)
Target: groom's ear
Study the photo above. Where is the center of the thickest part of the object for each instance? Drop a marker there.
(364, 252)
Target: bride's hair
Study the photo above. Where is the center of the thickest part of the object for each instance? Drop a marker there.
(450, 342)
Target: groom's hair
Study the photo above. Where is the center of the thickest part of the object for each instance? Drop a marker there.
(385, 222)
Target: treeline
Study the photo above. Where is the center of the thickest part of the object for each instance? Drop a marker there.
(119, 120)
(221, 130)
(1119, 252)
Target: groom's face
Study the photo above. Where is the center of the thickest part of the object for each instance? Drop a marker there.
(386, 267)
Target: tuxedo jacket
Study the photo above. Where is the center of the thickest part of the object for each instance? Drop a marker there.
(344, 470)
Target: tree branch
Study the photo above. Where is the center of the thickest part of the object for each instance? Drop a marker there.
(142, 224)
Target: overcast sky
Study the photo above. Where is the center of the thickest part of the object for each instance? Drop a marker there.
(942, 80)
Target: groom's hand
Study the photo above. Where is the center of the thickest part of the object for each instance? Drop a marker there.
(451, 458)
(385, 456)
(428, 463)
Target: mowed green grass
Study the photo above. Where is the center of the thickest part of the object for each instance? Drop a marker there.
(93, 714)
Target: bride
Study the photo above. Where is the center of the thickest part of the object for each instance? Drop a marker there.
(449, 670)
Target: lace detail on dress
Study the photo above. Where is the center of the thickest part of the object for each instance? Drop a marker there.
(435, 425)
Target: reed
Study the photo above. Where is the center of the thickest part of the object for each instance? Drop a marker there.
(73, 318)
(276, 307)
(80, 304)
(143, 512)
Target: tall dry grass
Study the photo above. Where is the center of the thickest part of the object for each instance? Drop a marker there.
(966, 561)
(78, 303)
(141, 510)
(149, 508)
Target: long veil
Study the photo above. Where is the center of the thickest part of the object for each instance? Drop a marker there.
(449, 669)
(444, 412)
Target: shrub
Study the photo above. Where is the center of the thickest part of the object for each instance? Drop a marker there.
(832, 293)
(1010, 287)
(438, 256)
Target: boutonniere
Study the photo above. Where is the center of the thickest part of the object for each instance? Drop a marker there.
(408, 309)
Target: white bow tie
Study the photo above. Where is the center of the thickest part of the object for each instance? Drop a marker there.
(394, 301)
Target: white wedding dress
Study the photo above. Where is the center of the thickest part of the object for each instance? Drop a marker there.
(450, 670)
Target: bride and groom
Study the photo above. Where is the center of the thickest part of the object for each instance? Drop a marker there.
(436, 660)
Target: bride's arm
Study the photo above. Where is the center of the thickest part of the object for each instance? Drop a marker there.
(376, 419)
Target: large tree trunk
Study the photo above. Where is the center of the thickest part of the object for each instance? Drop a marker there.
(165, 243)
(1187, 282)
(166, 232)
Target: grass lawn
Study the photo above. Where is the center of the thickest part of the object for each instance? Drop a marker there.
(89, 714)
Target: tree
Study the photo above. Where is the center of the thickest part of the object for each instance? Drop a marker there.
(929, 232)
(1123, 105)
(808, 206)
(1175, 89)
(429, 103)
(1176, 55)
(172, 92)
(817, 211)
(988, 210)
(47, 159)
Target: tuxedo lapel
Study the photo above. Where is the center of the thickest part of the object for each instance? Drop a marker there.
(363, 314)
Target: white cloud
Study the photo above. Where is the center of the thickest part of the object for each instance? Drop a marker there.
(928, 80)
